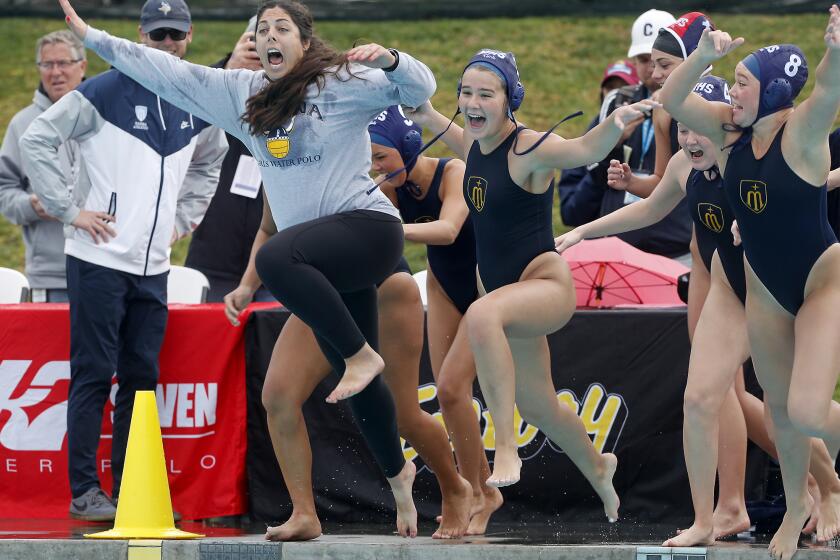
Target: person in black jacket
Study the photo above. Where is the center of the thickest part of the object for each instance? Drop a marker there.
(584, 193)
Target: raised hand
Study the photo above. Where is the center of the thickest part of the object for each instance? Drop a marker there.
(626, 114)
(832, 31)
(76, 24)
(420, 114)
(370, 55)
(618, 175)
(716, 44)
(244, 54)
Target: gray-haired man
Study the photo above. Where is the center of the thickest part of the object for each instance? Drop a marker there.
(60, 58)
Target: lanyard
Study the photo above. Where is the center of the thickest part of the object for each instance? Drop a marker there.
(647, 138)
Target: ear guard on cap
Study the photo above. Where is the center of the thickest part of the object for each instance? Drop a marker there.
(411, 144)
(777, 92)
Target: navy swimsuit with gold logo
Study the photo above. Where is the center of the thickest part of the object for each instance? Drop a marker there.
(512, 226)
(783, 221)
(712, 216)
(453, 265)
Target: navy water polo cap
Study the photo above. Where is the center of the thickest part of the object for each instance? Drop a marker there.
(712, 88)
(681, 38)
(781, 71)
(503, 64)
(391, 128)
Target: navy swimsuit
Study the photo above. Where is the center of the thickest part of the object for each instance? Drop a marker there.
(783, 221)
(712, 216)
(512, 226)
(453, 265)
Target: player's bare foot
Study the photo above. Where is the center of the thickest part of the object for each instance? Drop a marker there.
(696, 535)
(603, 486)
(813, 489)
(401, 486)
(299, 527)
(506, 467)
(828, 524)
(455, 512)
(730, 521)
(359, 370)
(785, 541)
(484, 505)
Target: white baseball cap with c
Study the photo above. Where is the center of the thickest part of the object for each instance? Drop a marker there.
(645, 29)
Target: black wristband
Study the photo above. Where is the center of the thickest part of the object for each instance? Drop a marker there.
(396, 63)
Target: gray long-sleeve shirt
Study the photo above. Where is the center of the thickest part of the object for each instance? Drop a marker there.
(317, 164)
(43, 239)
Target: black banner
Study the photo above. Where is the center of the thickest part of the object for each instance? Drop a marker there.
(624, 371)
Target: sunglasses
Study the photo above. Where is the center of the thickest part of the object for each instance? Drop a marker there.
(160, 34)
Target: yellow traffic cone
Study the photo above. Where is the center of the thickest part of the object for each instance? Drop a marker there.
(145, 508)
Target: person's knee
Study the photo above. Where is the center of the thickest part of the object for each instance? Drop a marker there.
(483, 322)
(280, 404)
(532, 415)
(699, 404)
(806, 416)
(451, 393)
(401, 291)
(271, 263)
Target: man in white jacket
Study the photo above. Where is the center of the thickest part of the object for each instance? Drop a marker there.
(60, 58)
(148, 172)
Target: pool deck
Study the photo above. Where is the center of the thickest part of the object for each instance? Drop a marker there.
(55, 539)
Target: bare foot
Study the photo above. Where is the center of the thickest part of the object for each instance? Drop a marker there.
(484, 505)
(506, 467)
(455, 512)
(401, 488)
(359, 370)
(299, 527)
(693, 536)
(813, 489)
(603, 486)
(784, 542)
(728, 522)
(828, 525)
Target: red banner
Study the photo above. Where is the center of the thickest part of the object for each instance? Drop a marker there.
(200, 399)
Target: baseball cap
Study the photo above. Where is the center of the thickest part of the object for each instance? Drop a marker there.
(172, 14)
(621, 69)
(645, 29)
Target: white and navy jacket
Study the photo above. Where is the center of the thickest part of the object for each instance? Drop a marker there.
(152, 165)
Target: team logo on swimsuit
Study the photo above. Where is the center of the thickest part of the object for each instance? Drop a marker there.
(278, 145)
(424, 220)
(711, 216)
(754, 195)
(477, 189)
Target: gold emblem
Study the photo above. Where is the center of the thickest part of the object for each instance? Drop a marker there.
(279, 144)
(711, 216)
(477, 188)
(424, 220)
(754, 195)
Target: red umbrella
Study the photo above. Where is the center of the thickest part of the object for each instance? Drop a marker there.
(609, 272)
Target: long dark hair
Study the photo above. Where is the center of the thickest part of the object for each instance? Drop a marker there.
(279, 101)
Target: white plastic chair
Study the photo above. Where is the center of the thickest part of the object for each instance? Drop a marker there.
(187, 285)
(14, 287)
(420, 278)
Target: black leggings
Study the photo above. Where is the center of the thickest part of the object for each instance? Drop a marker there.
(325, 271)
